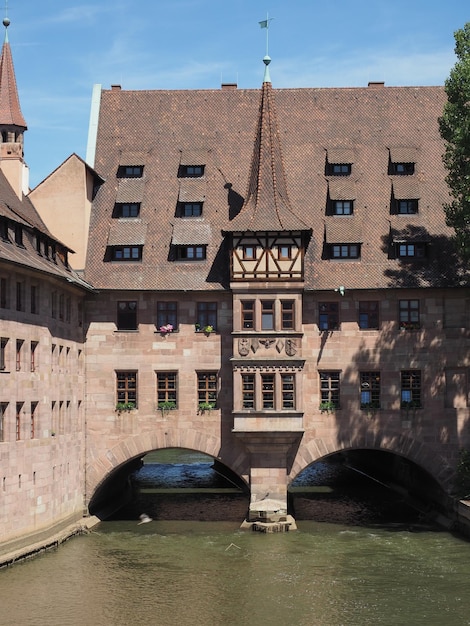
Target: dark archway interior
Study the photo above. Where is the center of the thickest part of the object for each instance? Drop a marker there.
(354, 487)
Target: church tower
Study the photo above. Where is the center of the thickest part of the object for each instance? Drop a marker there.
(12, 123)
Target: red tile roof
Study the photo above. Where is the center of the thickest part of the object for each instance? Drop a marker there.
(239, 135)
(10, 111)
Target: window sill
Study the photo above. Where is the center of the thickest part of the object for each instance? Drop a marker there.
(126, 330)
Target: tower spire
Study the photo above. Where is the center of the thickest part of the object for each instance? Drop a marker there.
(267, 206)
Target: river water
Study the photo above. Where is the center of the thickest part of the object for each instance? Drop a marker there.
(210, 573)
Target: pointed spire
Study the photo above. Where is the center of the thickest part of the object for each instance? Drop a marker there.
(10, 110)
(267, 206)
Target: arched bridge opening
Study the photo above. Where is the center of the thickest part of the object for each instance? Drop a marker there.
(368, 487)
(171, 484)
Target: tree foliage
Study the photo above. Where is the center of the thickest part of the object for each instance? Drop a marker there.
(454, 127)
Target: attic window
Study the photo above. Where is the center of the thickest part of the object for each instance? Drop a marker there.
(345, 251)
(402, 169)
(4, 229)
(339, 169)
(18, 234)
(191, 171)
(407, 207)
(191, 253)
(131, 209)
(342, 207)
(411, 250)
(126, 253)
(130, 171)
(189, 209)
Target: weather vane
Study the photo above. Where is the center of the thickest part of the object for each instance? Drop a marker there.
(265, 24)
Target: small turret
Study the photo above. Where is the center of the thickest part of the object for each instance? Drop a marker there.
(12, 122)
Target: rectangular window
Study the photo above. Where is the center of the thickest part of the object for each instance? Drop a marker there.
(33, 348)
(345, 251)
(206, 315)
(411, 250)
(3, 354)
(248, 391)
(368, 315)
(131, 209)
(328, 316)
(34, 299)
(411, 389)
(207, 389)
(127, 315)
(126, 253)
(329, 389)
(267, 315)
(267, 391)
(126, 388)
(249, 253)
(4, 293)
(19, 296)
(248, 313)
(403, 169)
(130, 171)
(33, 419)
(409, 314)
(4, 229)
(3, 410)
(407, 207)
(340, 169)
(342, 207)
(284, 252)
(370, 390)
(68, 309)
(190, 209)
(191, 253)
(19, 408)
(287, 315)
(288, 391)
(191, 171)
(167, 314)
(19, 350)
(166, 388)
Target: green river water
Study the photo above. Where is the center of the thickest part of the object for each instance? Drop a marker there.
(377, 564)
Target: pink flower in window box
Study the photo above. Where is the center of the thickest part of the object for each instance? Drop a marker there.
(167, 328)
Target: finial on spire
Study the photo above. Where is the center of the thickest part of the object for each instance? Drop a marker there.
(6, 20)
(267, 77)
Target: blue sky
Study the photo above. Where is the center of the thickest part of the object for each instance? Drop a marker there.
(61, 49)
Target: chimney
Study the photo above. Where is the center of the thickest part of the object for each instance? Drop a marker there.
(115, 87)
(376, 84)
(229, 86)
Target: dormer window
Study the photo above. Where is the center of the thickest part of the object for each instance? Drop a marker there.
(191, 171)
(411, 250)
(189, 209)
(131, 209)
(339, 169)
(191, 253)
(249, 253)
(4, 229)
(130, 171)
(284, 252)
(18, 234)
(407, 207)
(402, 169)
(126, 253)
(342, 207)
(345, 251)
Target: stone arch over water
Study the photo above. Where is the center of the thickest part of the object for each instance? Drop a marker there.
(408, 447)
(99, 470)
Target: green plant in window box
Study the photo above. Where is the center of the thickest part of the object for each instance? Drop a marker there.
(197, 327)
(208, 329)
(370, 407)
(206, 406)
(327, 406)
(166, 406)
(413, 404)
(125, 406)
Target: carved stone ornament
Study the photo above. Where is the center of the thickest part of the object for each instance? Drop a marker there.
(267, 343)
(291, 347)
(243, 346)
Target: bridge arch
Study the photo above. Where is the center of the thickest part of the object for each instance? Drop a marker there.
(134, 447)
(402, 445)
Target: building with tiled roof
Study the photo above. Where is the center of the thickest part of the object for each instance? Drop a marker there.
(269, 280)
(42, 360)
